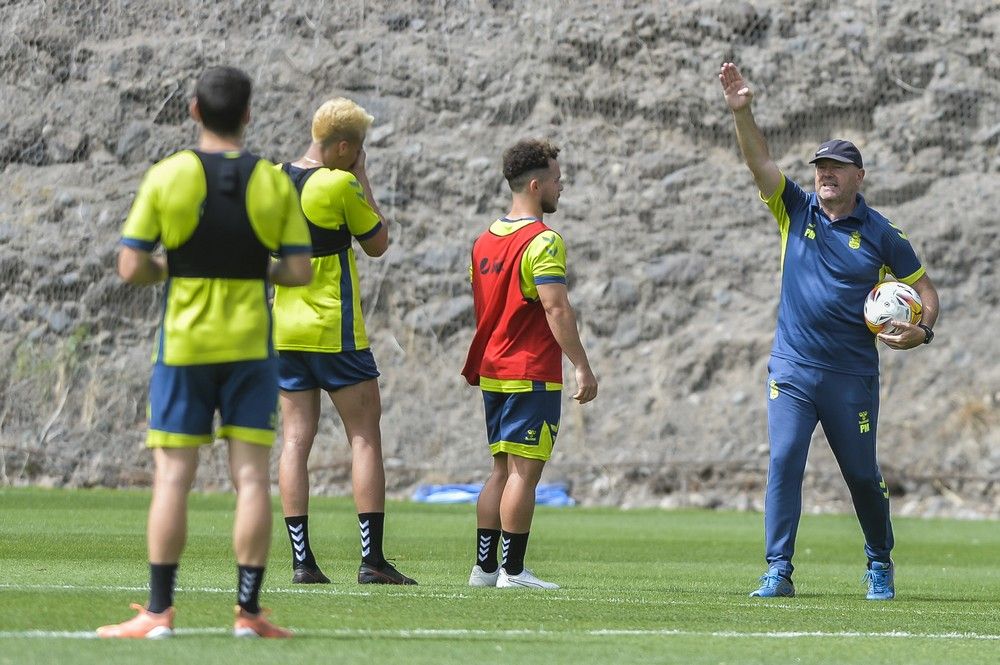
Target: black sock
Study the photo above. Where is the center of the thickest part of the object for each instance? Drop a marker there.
(162, 578)
(371, 526)
(487, 541)
(514, 545)
(298, 535)
(248, 595)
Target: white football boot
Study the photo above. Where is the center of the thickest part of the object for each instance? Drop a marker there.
(480, 577)
(525, 580)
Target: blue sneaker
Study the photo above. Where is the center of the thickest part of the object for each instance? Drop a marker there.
(773, 585)
(881, 581)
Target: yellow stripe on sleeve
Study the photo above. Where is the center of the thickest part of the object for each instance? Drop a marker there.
(777, 207)
(910, 279)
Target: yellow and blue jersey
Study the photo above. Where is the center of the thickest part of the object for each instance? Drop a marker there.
(543, 262)
(827, 269)
(218, 216)
(325, 316)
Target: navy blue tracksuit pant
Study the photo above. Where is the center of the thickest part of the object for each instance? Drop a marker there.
(846, 405)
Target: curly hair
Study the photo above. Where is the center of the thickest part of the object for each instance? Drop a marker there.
(523, 159)
(340, 119)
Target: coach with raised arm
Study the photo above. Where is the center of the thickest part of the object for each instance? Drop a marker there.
(824, 362)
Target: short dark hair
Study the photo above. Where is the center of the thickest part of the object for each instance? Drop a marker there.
(524, 158)
(223, 95)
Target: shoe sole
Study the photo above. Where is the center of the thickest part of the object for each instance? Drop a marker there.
(483, 581)
(509, 584)
(158, 633)
(384, 580)
(245, 632)
(476, 582)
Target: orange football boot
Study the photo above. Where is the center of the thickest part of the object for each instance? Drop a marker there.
(257, 625)
(145, 625)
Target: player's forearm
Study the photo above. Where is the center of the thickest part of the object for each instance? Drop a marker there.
(295, 270)
(141, 268)
(930, 309)
(751, 140)
(366, 187)
(928, 299)
(154, 272)
(562, 323)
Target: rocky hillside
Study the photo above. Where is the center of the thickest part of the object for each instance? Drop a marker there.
(674, 261)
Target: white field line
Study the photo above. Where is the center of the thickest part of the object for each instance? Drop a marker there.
(464, 633)
(546, 596)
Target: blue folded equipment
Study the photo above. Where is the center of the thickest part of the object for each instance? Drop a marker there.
(550, 494)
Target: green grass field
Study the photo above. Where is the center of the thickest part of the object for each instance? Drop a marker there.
(639, 586)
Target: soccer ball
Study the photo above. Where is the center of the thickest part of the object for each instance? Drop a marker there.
(891, 301)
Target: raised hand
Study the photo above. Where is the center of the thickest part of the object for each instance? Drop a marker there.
(736, 91)
(358, 167)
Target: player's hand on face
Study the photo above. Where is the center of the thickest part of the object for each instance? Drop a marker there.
(904, 336)
(586, 385)
(358, 167)
(736, 91)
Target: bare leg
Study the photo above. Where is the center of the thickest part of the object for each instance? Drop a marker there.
(488, 505)
(300, 419)
(360, 408)
(166, 533)
(248, 465)
(517, 505)
(166, 530)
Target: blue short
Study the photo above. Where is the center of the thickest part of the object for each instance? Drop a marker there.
(309, 370)
(183, 401)
(523, 424)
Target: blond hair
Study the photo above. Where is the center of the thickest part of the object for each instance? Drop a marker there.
(340, 119)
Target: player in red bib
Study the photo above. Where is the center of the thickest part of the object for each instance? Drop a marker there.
(524, 324)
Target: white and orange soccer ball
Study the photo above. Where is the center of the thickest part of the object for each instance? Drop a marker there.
(891, 301)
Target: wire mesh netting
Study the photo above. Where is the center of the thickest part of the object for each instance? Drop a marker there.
(673, 262)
